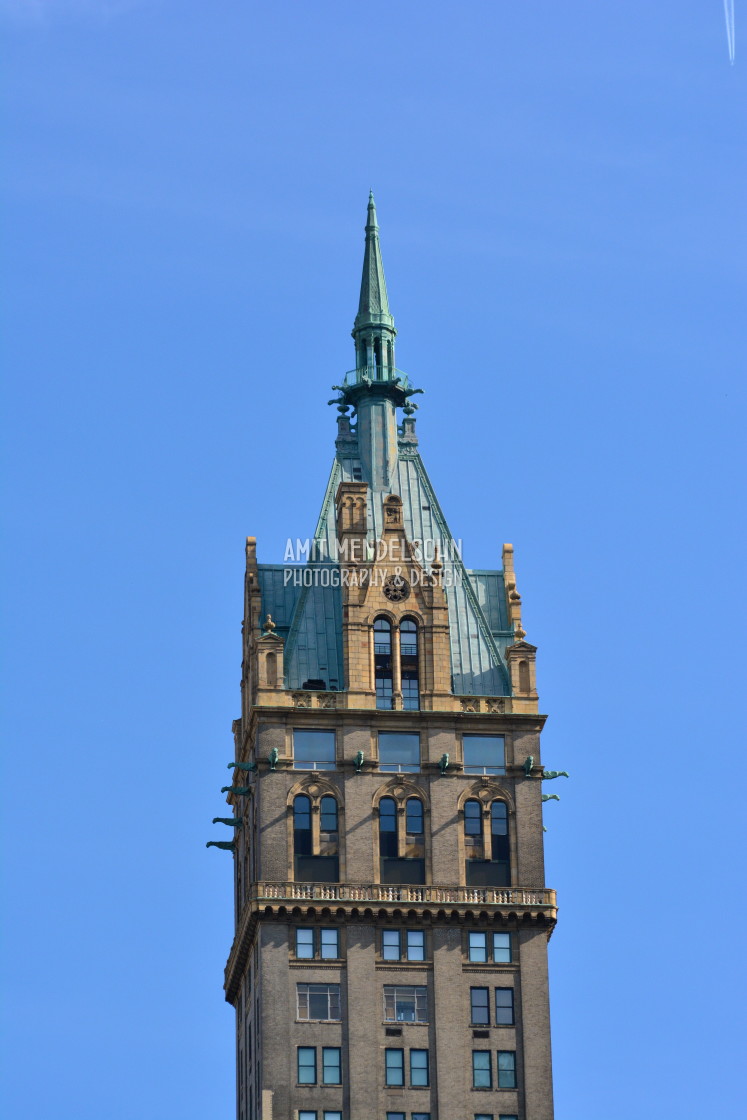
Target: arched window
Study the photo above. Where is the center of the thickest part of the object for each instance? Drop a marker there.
(524, 685)
(408, 652)
(486, 833)
(315, 849)
(383, 662)
(401, 849)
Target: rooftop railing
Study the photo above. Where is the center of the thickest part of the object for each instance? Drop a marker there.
(376, 374)
(381, 892)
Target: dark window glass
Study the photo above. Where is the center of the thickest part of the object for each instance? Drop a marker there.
(480, 1007)
(328, 815)
(387, 827)
(410, 694)
(408, 637)
(399, 751)
(499, 830)
(483, 1116)
(405, 1004)
(482, 1071)
(421, 1116)
(484, 754)
(395, 1067)
(504, 1007)
(506, 1069)
(318, 1001)
(502, 948)
(414, 816)
(419, 1073)
(313, 750)
(408, 648)
(331, 1065)
(473, 818)
(302, 825)
(390, 945)
(396, 1116)
(304, 1114)
(478, 947)
(383, 662)
(307, 1065)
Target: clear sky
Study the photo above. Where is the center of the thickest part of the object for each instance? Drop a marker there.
(561, 192)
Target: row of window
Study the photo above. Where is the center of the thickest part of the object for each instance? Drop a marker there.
(399, 752)
(385, 655)
(402, 842)
(326, 1114)
(482, 1069)
(404, 1068)
(403, 1003)
(323, 943)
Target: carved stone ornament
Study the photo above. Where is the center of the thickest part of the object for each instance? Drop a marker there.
(396, 589)
(328, 701)
(302, 699)
(498, 705)
(471, 705)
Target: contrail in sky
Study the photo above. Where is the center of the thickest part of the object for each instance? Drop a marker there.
(729, 14)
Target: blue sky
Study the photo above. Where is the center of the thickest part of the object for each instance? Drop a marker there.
(561, 196)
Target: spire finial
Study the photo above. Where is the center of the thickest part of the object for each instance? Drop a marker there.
(373, 307)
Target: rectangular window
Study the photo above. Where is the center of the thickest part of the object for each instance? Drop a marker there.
(318, 1001)
(405, 1004)
(305, 944)
(421, 1116)
(415, 945)
(390, 942)
(478, 947)
(502, 948)
(504, 1117)
(396, 1116)
(482, 1071)
(384, 693)
(484, 754)
(419, 1073)
(504, 1007)
(506, 1069)
(395, 1067)
(479, 1007)
(410, 695)
(313, 750)
(329, 940)
(332, 1115)
(307, 1065)
(399, 751)
(483, 1116)
(331, 1066)
(306, 1115)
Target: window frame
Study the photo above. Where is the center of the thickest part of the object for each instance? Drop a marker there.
(482, 769)
(473, 1006)
(314, 764)
(393, 1050)
(399, 767)
(391, 994)
(307, 995)
(308, 1049)
(511, 1070)
(488, 1070)
(506, 1007)
(317, 943)
(425, 1069)
(337, 1066)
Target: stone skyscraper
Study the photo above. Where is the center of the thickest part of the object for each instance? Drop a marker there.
(392, 919)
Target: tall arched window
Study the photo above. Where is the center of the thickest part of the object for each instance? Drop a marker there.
(408, 652)
(486, 833)
(383, 662)
(401, 841)
(315, 849)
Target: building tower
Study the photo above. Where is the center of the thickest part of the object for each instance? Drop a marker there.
(390, 955)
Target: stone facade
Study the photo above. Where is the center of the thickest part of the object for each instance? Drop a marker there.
(392, 918)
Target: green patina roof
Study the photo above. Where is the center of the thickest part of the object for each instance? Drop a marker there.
(310, 618)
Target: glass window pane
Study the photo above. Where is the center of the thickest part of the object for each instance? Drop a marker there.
(399, 751)
(499, 818)
(305, 943)
(395, 1067)
(504, 1117)
(382, 636)
(483, 1116)
(506, 1069)
(302, 813)
(390, 945)
(395, 1116)
(414, 816)
(418, 1067)
(421, 1116)
(480, 1006)
(473, 818)
(332, 1115)
(478, 947)
(482, 1075)
(502, 948)
(415, 945)
(306, 1115)
(307, 1065)
(330, 944)
(331, 1065)
(328, 815)
(484, 754)
(504, 1007)
(313, 747)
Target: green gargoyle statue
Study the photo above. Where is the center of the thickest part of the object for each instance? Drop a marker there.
(240, 791)
(242, 765)
(443, 763)
(226, 845)
(358, 762)
(232, 822)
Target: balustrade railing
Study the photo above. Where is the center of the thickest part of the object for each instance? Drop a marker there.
(380, 892)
